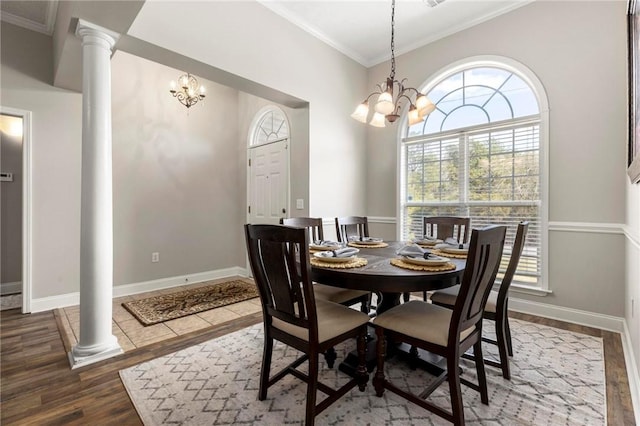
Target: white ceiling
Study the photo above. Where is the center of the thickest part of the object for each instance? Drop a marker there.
(361, 29)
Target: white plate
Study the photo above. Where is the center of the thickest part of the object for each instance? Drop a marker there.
(317, 247)
(426, 242)
(368, 241)
(333, 259)
(454, 250)
(433, 261)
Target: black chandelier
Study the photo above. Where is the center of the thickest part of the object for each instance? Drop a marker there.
(189, 91)
(387, 105)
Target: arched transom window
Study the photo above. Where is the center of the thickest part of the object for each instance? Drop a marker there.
(272, 127)
(477, 155)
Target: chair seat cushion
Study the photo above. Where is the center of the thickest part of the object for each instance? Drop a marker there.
(333, 320)
(448, 297)
(420, 320)
(336, 294)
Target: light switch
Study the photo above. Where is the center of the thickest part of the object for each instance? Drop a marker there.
(300, 203)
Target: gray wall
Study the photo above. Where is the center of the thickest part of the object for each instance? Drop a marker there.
(25, 83)
(175, 176)
(11, 204)
(578, 52)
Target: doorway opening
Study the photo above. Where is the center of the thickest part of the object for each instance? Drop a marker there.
(15, 286)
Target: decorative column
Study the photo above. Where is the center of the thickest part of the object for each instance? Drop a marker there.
(96, 234)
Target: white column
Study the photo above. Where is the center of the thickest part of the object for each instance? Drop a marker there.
(96, 234)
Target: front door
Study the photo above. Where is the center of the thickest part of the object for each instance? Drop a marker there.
(268, 182)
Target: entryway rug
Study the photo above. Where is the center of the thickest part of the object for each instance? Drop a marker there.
(166, 307)
(557, 379)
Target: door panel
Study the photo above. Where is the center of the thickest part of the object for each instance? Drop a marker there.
(269, 182)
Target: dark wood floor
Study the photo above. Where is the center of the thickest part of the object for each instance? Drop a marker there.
(39, 388)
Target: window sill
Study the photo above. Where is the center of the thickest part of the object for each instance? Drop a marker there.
(535, 291)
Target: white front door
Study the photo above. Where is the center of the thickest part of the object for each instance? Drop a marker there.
(268, 182)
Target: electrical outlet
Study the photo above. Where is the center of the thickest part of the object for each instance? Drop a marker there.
(155, 257)
(300, 203)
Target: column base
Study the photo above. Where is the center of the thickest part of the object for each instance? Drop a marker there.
(80, 356)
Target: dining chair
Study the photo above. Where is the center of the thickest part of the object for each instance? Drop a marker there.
(344, 296)
(351, 226)
(445, 332)
(281, 268)
(443, 227)
(497, 304)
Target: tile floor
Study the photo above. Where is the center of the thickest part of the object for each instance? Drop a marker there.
(132, 334)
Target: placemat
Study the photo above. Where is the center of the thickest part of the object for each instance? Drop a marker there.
(359, 245)
(406, 265)
(355, 263)
(447, 254)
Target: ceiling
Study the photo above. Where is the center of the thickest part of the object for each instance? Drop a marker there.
(361, 29)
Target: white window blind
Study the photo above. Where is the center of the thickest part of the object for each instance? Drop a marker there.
(490, 173)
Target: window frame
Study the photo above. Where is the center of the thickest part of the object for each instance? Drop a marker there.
(522, 71)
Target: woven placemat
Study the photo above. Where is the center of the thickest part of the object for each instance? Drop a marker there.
(406, 265)
(447, 254)
(355, 263)
(359, 245)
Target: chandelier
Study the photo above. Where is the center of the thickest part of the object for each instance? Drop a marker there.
(189, 91)
(390, 96)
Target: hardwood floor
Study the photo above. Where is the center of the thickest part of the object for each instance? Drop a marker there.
(38, 387)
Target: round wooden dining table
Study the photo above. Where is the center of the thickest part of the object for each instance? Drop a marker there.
(389, 281)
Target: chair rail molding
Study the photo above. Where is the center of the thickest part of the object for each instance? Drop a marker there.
(588, 227)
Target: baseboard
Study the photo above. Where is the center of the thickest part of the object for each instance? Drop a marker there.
(11, 288)
(72, 299)
(162, 283)
(575, 316)
(632, 372)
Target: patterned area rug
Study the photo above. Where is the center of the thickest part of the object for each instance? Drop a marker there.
(557, 379)
(175, 305)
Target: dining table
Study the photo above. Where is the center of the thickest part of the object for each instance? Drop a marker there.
(388, 281)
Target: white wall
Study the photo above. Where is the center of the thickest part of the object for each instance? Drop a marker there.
(246, 39)
(632, 287)
(578, 52)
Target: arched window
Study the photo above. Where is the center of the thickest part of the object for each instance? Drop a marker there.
(271, 127)
(478, 155)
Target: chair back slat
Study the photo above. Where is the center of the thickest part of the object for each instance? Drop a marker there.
(314, 224)
(483, 260)
(280, 264)
(444, 227)
(516, 252)
(351, 226)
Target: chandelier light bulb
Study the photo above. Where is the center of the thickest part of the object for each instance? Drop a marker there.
(361, 112)
(377, 120)
(427, 109)
(172, 86)
(414, 116)
(385, 103)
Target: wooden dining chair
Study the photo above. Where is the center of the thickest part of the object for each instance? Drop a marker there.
(351, 226)
(497, 304)
(443, 227)
(281, 269)
(445, 332)
(344, 296)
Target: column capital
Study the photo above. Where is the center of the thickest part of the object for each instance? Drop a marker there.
(85, 28)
